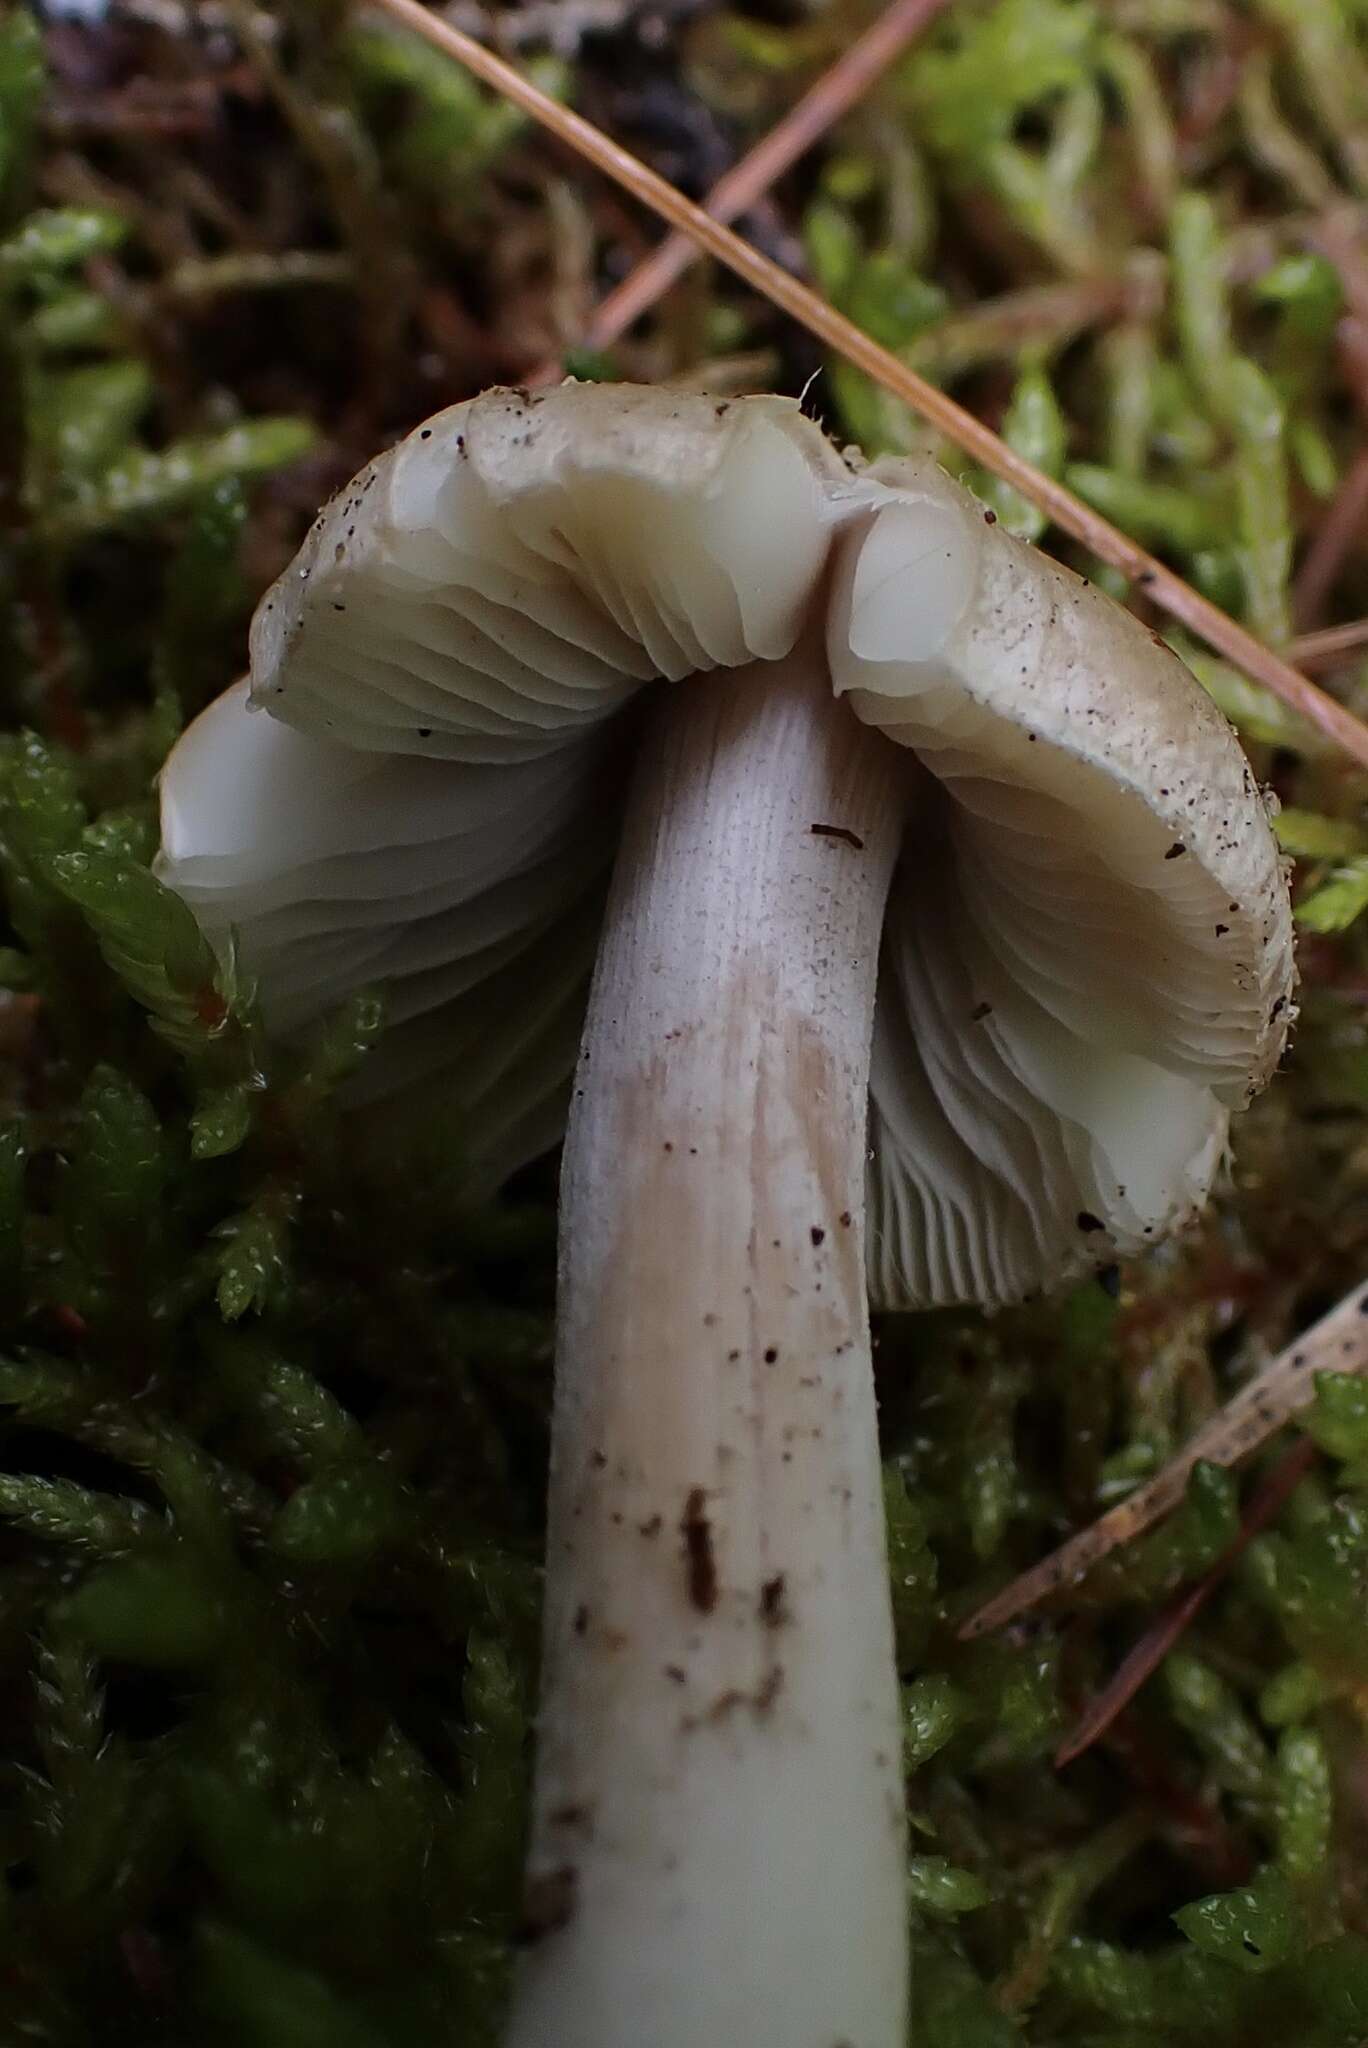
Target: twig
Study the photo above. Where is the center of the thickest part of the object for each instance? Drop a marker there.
(381, 268)
(833, 95)
(1338, 1343)
(1159, 583)
(185, 107)
(1331, 644)
(252, 270)
(1274, 143)
(1193, 1826)
(1037, 315)
(1159, 1638)
(1215, 90)
(1060, 1905)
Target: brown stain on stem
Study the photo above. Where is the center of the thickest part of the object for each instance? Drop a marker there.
(700, 1563)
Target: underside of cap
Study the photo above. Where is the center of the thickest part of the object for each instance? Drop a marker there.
(513, 572)
(469, 893)
(1088, 954)
(1087, 958)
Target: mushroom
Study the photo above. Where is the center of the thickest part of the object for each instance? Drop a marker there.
(944, 928)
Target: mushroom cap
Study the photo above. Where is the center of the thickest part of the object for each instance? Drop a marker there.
(1087, 956)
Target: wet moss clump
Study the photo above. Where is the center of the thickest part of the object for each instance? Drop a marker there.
(273, 1418)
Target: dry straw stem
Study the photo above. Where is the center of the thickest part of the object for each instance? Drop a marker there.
(833, 95)
(1168, 591)
(1337, 1343)
(1154, 1645)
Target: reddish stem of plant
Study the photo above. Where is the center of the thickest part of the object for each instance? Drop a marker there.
(1162, 1634)
(1330, 644)
(739, 189)
(1345, 523)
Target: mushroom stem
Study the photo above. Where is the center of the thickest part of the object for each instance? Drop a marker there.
(718, 1851)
